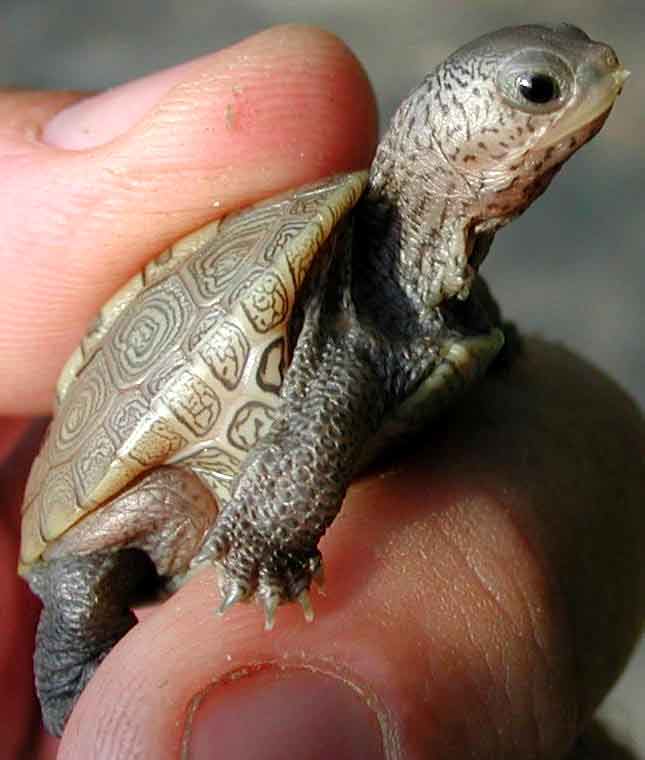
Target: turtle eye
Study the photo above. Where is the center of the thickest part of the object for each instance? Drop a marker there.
(536, 81)
(538, 88)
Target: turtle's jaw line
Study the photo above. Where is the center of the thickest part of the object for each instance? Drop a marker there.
(594, 109)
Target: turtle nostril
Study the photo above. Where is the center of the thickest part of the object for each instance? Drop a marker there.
(605, 58)
(611, 59)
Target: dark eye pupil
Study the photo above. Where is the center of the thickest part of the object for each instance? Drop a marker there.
(538, 88)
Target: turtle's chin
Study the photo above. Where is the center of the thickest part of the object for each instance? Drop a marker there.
(536, 173)
(563, 145)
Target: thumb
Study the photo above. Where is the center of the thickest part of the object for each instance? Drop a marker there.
(92, 188)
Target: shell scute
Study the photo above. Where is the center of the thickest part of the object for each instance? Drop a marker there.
(267, 304)
(250, 423)
(59, 487)
(209, 276)
(143, 335)
(70, 432)
(227, 354)
(193, 402)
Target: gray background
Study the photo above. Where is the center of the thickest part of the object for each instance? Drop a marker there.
(572, 269)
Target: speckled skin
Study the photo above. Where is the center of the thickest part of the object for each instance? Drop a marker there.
(395, 321)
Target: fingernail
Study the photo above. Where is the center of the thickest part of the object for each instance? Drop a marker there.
(101, 118)
(276, 714)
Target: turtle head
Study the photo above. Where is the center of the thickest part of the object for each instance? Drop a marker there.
(477, 142)
(534, 95)
(492, 124)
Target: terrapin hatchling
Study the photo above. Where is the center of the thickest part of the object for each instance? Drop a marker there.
(219, 406)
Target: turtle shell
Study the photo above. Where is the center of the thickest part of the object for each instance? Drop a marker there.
(185, 362)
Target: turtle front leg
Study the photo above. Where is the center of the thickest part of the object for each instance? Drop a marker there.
(292, 485)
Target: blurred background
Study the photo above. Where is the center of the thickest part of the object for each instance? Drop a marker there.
(573, 269)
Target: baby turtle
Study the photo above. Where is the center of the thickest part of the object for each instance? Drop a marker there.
(219, 406)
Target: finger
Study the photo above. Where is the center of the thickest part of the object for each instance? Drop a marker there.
(88, 196)
(481, 599)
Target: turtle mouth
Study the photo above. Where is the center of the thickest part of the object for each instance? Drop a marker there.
(591, 111)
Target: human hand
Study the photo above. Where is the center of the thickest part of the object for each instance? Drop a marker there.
(483, 591)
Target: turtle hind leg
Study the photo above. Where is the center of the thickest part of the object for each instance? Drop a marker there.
(86, 610)
(92, 575)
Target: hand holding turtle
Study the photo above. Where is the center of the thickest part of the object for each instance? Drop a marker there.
(412, 581)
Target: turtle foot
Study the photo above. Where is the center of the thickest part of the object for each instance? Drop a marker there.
(279, 577)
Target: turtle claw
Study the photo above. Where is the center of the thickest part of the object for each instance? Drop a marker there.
(273, 578)
(305, 602)
(235, 593)
(318, 574)
(270, 602)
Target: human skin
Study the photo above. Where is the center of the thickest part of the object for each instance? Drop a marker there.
(484, 587)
